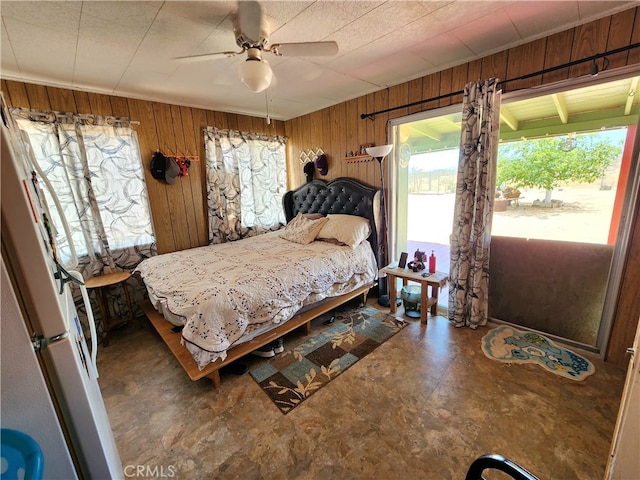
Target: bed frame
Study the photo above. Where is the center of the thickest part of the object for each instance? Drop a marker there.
(340, 196)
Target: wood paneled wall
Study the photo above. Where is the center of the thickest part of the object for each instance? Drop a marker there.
(179, 211)
(339, 128)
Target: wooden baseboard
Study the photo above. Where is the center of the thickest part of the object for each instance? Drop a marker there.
(211, 371)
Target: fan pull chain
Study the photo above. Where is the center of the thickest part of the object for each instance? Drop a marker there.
(266, 102)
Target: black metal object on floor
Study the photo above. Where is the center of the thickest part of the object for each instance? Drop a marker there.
(497, 462)
(383, 293)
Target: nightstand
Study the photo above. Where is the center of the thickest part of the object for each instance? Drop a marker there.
(435, 280)
(101, 284)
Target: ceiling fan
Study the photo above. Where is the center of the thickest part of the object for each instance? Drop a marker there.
(252, 35)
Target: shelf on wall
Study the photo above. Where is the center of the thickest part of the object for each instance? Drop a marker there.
(358, 159)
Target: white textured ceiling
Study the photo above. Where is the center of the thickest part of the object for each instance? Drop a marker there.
(126, 48)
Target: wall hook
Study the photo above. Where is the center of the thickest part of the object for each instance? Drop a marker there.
(310, 155)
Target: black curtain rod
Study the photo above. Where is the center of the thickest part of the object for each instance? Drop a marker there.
(592, 58)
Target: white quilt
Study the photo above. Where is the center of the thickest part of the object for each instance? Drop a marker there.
(221, 290)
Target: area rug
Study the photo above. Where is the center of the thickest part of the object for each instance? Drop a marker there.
(294, 375)
(510, 345)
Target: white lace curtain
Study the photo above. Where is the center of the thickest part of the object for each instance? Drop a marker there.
(246, 179)
(94, 166)
(471, 236)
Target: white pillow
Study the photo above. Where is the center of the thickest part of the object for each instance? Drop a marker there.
(302, 229)
(347, 229)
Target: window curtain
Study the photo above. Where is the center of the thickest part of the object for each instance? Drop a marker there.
(473, 211)
(94, 166)
(246, 180)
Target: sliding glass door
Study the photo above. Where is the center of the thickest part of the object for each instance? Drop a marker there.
(564, 166)
(424, 181)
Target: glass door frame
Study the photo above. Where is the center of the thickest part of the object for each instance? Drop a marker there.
(397, 207)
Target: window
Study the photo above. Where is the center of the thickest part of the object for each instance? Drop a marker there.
(584, 130)
(97, 174)
(567, 144)
(559, 187)
(246, 180)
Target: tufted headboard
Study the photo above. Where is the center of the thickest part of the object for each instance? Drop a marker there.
(342, 195)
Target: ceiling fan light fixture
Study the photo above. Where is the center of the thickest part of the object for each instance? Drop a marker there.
(251, 29)
(256, 74)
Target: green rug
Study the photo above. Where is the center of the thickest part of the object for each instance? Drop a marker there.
(294, 375)
(510, 345)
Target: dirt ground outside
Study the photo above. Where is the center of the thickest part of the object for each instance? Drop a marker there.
(583, 216)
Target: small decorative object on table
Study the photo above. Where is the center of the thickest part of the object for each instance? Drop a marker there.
(403, 260)
(432, 262)
(419, 258)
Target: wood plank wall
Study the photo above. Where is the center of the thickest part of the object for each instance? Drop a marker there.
(179, 211)
(336, 135)
(339, 128)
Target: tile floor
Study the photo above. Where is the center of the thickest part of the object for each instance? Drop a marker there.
(423, 405)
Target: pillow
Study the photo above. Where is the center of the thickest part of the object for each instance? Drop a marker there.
(347, 229)
(303, 230)
(313, 216)
(332, 241)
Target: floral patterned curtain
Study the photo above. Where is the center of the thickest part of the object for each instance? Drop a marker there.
(246, 180)
(469, 273)
(94, 166)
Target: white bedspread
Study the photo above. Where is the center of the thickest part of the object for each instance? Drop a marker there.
(221, 290)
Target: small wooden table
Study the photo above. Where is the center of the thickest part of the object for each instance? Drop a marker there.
(101, 284)
(433, 280)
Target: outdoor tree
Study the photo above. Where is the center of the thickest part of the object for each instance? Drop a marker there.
(548, 162)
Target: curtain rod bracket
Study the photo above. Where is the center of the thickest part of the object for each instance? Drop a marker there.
(370, 116)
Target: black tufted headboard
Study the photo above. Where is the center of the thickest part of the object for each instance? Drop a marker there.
(342, 195)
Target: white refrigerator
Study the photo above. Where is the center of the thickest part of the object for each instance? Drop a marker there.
(49, 387)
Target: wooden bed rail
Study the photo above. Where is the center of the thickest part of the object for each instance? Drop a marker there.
(211, 371)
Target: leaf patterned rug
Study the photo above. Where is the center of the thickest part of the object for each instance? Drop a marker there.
(294, 375)
(510, 345)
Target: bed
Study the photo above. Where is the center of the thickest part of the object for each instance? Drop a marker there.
(257, 289)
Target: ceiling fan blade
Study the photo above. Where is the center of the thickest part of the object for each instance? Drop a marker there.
(250, 20)
(305, 49)
(206, 56)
